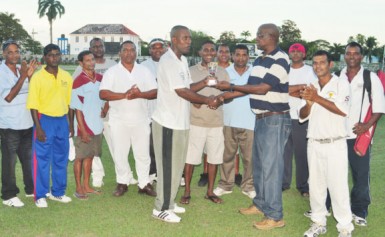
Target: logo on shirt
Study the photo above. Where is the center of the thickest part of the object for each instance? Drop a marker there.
(331, 95)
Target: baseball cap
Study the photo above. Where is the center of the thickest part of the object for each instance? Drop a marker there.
(298, 47)
(8, 43)
(156, 41)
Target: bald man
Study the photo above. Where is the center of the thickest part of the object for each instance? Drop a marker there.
(268, 88)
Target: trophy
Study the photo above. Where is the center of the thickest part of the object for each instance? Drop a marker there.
(213, 66)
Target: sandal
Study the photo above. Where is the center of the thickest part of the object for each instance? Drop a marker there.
(81, 196)
(185, 200)
(214, 198)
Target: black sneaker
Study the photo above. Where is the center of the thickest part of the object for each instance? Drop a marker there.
(203, 180)
(238, 179)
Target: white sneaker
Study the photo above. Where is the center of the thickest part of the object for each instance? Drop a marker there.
(345, 233)
(41, 203)
(182, 182)
(315, 230)
(133, 181)
(13, 202)
(177, 209)
(167, 216)
(220, 191)
(359, 221)
(250, 194)
(29, 195)
(63, 199)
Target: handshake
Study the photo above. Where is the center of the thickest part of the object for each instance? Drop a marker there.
(213, 102)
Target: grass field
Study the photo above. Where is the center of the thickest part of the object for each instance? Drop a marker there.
(130, 215)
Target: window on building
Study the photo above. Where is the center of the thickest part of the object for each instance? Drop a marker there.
(85, 39)
(112, 39)
(103, 38)
(77, 39)
(121, 39)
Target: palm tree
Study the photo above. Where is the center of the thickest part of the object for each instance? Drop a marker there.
(246, 34)
(370, 43)
(51, 9)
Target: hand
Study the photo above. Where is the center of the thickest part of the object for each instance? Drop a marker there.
(24, 69)
(360, 128)
(103, 113)
(85, 137)
(215, 102)
(223, 85)
(309, 93)
(133, 93)
(31, 68)
(40, 134)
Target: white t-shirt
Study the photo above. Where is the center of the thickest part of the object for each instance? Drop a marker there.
(118, 79)
(303, 75)
(172, 111)
(153, 67)
(100, 68)
(356, 86)
(323, 123)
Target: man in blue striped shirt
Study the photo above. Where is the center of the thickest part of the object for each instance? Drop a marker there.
(268, 89)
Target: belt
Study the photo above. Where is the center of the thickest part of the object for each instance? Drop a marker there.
(267, 114)
(328, 140)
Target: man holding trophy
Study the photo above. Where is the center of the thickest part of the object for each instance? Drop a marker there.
(206, 125)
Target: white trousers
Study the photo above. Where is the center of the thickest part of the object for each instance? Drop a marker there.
(328, 169)
(122, 137)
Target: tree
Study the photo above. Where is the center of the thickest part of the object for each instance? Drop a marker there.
(33, 46)
(51, 9)
(289, 32)
(197, 39)
(359, 38)
(228, 37)
(336, 50)
(245, 34)
(371, 44)
(10, 28)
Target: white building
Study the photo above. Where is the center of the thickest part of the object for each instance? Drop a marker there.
(112, 35)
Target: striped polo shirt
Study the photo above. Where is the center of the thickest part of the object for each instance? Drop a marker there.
(272, 69)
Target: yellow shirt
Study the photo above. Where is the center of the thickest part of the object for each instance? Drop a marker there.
(49, 95)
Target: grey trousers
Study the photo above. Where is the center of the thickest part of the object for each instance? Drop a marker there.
(234, 138)
(170, 148)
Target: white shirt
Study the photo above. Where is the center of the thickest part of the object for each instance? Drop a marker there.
(323, 123)
(302, 75)
(172, 111)
(356, 86)
(118, 79)
(153, 67)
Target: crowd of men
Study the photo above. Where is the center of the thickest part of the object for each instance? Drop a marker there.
(171, 114)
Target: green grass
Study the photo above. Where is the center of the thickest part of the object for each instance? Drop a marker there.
(130, 215)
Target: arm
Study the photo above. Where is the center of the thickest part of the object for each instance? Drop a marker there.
(360, 128)
(196, 98)
(84, 136)
(310, 93)
(260, 89)
(305, 111)
(40, 134)
(197, 86)
(295, 90)
(26, 71)
(71, 121)
(109, 95)
(105, 109)
(135, 93)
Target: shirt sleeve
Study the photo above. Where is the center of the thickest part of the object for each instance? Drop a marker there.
(378, 97)
(342, 100)
(33, 94)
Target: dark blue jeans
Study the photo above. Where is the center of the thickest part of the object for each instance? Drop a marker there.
(15, 143)
(360, 167)
(270, 136)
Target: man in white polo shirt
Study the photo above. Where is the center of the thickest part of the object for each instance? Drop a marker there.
(171, 121)
(326, 106)
(127, 86)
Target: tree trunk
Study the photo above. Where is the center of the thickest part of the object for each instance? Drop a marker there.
(50, 29)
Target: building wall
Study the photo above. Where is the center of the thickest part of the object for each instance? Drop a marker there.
(80, 42)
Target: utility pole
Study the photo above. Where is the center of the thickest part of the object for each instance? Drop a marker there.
(33, 38)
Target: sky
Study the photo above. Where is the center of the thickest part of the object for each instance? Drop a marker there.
(331, 20)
